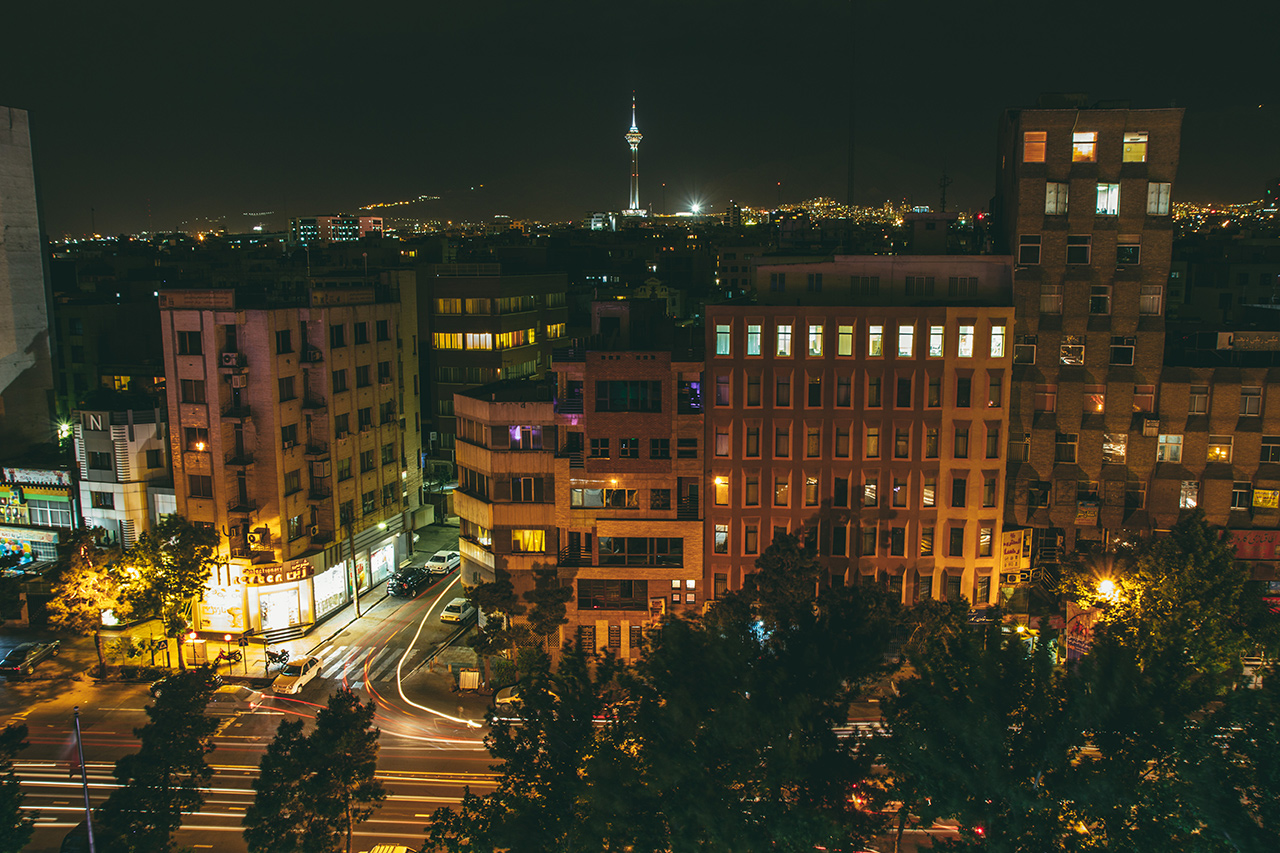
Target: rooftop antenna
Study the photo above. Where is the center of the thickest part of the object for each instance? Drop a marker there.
(943, 184)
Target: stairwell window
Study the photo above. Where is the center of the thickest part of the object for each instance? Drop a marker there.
(1135, 147)
(1033, 146)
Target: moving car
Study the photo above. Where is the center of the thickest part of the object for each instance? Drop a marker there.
(406, 581)
(458, 610)
(296, 674)
(22, 659)
(232, 699)
(443, 562)
(158, 686)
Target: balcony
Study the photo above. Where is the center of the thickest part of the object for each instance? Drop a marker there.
(240, 460)
(322, 537)
(236, 413)
(311, 355)
(242, 507)
(574, 456)
(687, 508)
(240, 552)
(317, 494)
(571, 406)
(312, 402)
(316, 449)
(574, 557)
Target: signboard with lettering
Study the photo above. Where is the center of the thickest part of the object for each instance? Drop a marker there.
(33, 477)
(1015, 550)
(202, 299)
(26, 534)
(1254, 544)
(295, 570)
(1087, 514)
(1266, 498)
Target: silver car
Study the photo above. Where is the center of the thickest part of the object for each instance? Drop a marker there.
(232, 699)
(296, 674)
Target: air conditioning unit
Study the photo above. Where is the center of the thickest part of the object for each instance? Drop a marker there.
(251, 538)
(231, 359)
(314, 530)
(239, 380)
(289, 444)
(1150, 427)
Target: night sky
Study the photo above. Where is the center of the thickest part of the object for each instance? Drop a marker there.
(154, 114)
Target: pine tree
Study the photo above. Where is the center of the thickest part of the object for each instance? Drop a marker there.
(162, 781)
(173, 562)
(16, 825)
(547, 600)
(278, 820)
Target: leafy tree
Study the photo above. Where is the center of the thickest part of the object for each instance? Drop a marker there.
(496, 598)
(547, 599)
(1168, 653)
(88, 584)
(543, 801)
(16, 825)
(983, 732)
(323, 783)
(162, 780)
(172, 562)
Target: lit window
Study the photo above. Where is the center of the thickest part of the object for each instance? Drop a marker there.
(784, 340)
(875, 341)
(1095, 399)
(1220, 448)
(1055, 199)
(965, 349)
(479, 340)
(1240, 495)
(811, 491)
(929, 492)
(722, 339)
(1199, 400)
(753, 340)
(722, 539)
(1151, 299)
(1169, 448)
(936, 337)
(906, 341)
(1108, 199)
(1189, 495)
(872, 444)
(815, 340)
(1158, 198)
(844, 342)
(722, 491)
(870, 491)
(1084, 147)
(1033, 145)
(997, 341)
(528, 541)
(1071, 352)
(1135, 147)
(1115, 447)
(1128, 249)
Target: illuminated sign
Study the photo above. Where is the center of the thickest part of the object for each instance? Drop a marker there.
(1015, 550)
(1254, 544)
(1268, 498)
(33, 477)
(267, 575)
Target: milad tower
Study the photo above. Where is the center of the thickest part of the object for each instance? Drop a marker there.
(633, 138)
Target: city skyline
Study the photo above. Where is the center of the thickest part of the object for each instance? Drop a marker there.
(516, 112)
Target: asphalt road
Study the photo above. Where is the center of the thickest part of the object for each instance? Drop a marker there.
(431, 748)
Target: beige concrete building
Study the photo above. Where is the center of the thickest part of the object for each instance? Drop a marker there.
(296, 434)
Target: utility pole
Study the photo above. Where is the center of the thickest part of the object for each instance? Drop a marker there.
(84, 781)
(943, 184)
(355, 578)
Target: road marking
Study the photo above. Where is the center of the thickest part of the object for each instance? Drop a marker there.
(331, 655)
(378, 666)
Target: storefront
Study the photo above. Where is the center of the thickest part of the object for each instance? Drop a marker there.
(1260, 551)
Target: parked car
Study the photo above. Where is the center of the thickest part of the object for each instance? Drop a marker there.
(232, 699)
(406, 581)
(22, 659)
(508, 701)
(458, 610)
(296, 674)
(443, 562)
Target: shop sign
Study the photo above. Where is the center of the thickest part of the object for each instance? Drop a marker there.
(49, 537)
(32, 477)
(1087, 514)
(267, 575)
(1266, 498)
(1015, 550)
(1255, 544)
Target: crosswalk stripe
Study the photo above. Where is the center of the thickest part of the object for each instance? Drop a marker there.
(331, 654)
(382, 660)
(350, 667)
(408, 662)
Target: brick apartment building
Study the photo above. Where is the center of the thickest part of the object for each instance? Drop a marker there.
(863, 401)
(1084, 206)
(597, 472)
(294, 435)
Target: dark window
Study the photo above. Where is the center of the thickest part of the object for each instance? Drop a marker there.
(192, 390)
(104, 500)
(362, 376)
(360, 333)
(958, 485)
(287, 389)
(686, 448)
(189, 343)
(660, 499)
(99, 461)
(337, 336)
(964, 387)
(155, 458)
(640, 551)
(284, 341)
(659, 448)
(904, 393)
(956, 545)
(199, 486)
(384, 330)
(599, 448)
(292, 481)
(339, 380)
(618, 395)
(628, 448)
(602, 594)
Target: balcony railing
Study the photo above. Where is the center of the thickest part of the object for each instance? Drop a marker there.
(571, 406)
(240, 460)
(573, 557)
(237, 413)
(242, 507)
(687, 509)
(317, 449)
(312, 402)
(318, 494)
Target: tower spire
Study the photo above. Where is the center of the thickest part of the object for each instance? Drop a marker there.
(633, 138)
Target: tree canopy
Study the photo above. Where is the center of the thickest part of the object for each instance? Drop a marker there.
(16, 824)
(171, 564)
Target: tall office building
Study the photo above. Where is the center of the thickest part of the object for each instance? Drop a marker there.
(863, 401)
(1084, 206)
(26, 369)
(294, 434)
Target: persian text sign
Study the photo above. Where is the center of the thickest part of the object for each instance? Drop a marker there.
(266, 575)
(1015, 550)
(1254, 544)
(1266, 498)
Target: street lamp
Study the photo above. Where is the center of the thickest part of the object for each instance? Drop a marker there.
(1108, 591)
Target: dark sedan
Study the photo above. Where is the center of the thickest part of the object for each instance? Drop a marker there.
(22, 660)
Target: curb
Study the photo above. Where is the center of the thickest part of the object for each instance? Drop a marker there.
(348, 624)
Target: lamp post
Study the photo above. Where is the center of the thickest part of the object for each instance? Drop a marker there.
(84, 782)
(355, 578)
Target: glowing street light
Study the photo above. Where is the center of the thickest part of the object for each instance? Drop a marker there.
(1108, 590)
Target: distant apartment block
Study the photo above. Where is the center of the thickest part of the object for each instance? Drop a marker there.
(332, 228)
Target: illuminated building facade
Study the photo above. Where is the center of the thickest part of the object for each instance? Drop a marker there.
(597, 474)
(864, 402)
(293, 435)
(334, 228)
(125, 478)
